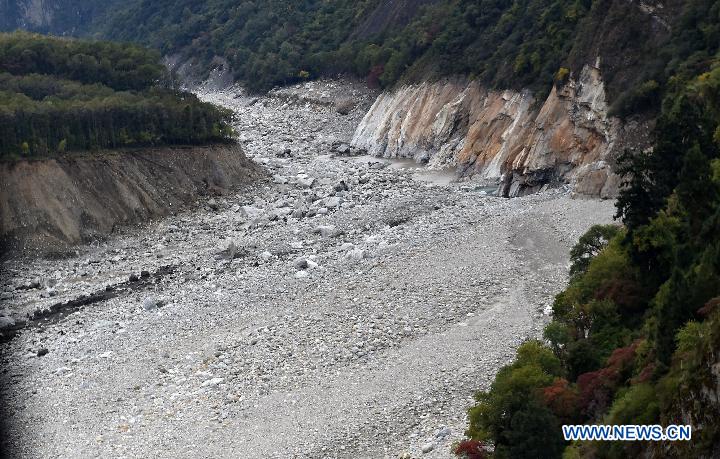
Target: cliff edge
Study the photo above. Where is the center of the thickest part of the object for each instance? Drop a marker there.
(48, 205)
(506, 137)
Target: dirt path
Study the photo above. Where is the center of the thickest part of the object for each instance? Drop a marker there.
(304, 318)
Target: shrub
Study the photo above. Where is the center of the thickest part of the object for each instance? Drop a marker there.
(563, 400)
(514, 404)
(561, 77)
(590, 245)
(470, 449)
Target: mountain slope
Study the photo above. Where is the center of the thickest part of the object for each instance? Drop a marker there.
(520, 44)
(58, 17)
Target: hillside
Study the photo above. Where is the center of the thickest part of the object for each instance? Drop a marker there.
(635, 335)
(58, 17)
(518, 44)
(59, 95)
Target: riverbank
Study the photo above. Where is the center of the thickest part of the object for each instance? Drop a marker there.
(49, 205)
(346, 308)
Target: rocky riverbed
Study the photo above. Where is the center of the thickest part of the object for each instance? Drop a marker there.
(346, 307)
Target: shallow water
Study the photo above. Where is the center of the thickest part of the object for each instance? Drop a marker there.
(420, 172)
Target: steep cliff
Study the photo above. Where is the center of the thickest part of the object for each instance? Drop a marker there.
(505, 137)
(49, 205)
(59, 17)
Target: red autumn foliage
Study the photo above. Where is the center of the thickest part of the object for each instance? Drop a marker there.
(645, 375)
(709, 307)
(470, 449)
(562, 400)
(373, 78)
(625, 293)
(622, 357)
(598, 387)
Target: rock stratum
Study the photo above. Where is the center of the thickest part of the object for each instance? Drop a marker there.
(49, 205)
(505, 137)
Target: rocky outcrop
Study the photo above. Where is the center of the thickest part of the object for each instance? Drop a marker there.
(49, 205)
(503, 137)
(197, 77)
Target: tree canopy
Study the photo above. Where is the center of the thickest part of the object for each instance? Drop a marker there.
(508, 44)
(59, 95)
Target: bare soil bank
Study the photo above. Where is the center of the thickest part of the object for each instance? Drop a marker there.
(49, 205)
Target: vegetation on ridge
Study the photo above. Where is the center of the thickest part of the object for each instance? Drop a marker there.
(507, 44)
(60, 95)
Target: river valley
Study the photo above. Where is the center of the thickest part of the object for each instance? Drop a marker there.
(346, 306)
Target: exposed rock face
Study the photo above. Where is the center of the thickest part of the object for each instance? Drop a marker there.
(196, 77)
(59, 17)
(37, 13)
(48, 205)
(502, 136)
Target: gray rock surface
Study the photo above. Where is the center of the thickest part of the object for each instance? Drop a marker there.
(376, 356)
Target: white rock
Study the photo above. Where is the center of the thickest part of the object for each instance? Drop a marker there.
(150, 303)
(307, 182)
(333, 202)
(326, 231)
(283, 211)
(212, 382)
(356, 254)
(252, 212)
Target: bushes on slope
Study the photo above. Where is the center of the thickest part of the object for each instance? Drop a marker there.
(636, 331)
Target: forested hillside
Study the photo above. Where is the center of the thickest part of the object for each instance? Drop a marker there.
(522, 43)
(635, 335)
(58, 95)
(507, 43)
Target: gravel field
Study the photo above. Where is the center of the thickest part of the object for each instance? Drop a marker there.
(348, 306)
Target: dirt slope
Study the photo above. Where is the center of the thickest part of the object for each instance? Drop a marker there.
(49, 205)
